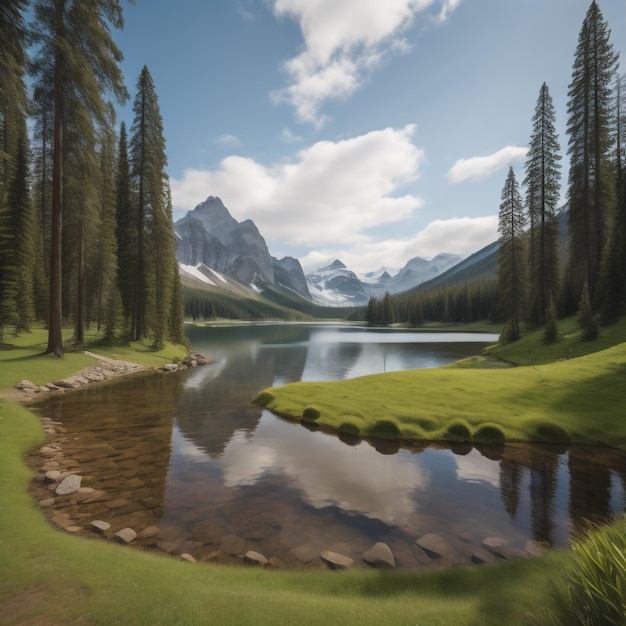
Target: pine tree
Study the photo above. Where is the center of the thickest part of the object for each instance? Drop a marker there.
(542, 194)
(126, 228)
(612, 282)
(586, 319)
(151, 301)
(24, 236)
(14, 199)
(550, 329)
(511, 259)
(78, 62)
(591, 178)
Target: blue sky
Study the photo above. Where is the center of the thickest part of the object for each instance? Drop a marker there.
(367, 130)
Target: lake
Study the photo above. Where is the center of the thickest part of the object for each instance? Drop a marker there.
(189, 457)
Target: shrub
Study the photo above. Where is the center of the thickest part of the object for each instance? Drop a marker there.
(489, 433)
(385, 429)
(586, 319)
(264, 398)
(310, 414)
(550, 433)
(349, 429)
(458, 431)
(593, 589)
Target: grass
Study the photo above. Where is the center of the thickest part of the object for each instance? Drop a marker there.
(578, 399)
(48, 576)
(56, 578)
(23, 357)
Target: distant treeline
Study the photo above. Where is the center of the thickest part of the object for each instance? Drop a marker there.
(203, 305)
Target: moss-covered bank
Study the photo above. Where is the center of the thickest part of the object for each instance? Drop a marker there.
(571, 400)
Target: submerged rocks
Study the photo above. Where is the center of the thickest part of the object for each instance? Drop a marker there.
(68, 485)
(380, 555)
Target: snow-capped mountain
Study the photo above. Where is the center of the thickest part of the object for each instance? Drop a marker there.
(337, 285)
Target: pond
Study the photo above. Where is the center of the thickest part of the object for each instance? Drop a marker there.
(190, 458)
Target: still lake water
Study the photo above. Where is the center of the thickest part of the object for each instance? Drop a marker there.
(219, 475)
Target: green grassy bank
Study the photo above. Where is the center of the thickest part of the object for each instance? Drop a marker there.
(48, 576)
(51, 577)
(577, 399)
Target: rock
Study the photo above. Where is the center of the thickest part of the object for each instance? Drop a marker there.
(73, 529)
(497, 546)
(335, 560)
(232, 544)
(171, 367)
(65, 384)
(149, 532)
(255, 558)
(535, 548)
(53, 387)
(435, 546)
(52, 476)
(482, 556)
(68, 485)
(126, 535)
(306, 552)
(46, 503)
(100, 527)
(380, 555)
(26, 385)
(187, 557)
(276, 563)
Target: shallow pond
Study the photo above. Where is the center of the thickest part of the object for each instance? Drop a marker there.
(219, 476)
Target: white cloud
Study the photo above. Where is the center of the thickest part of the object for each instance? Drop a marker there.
(343, 41)
(462, 236)
(478, 168)
(328, 194)
(228, 140)
(288, 136)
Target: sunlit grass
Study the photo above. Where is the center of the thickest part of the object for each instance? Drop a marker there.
(578, 399)
(51, 577)
(23, 357)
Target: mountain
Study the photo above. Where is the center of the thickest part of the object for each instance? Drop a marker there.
(211, 236)
(336, 285)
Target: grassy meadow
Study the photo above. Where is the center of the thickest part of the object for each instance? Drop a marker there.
(556, 399)
(48, 576)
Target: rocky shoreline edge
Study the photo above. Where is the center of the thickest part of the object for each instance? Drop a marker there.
(106, 369)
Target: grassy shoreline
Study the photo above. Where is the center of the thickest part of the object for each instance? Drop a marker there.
(578, 400)
(48, 576)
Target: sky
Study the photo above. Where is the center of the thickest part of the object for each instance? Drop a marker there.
(372, 131)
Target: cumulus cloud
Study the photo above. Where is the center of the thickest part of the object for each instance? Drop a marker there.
(478, 168)
(343, 41)
(329, 193)
(459, 235)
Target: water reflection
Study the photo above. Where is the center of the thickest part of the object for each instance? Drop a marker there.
(219, 475)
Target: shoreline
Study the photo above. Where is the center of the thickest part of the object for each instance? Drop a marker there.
(26, 392)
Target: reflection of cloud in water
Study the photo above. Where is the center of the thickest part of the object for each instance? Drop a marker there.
(354, 478)
(203, 375)
(475, 468)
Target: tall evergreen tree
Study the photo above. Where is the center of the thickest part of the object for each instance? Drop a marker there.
(591, 175)
(612, 282)
(75, 42)
(151, 298)
(15, 278)
(511, 259)
(126, 228)
(542, 194)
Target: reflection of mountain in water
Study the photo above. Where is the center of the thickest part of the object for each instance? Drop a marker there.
(209, 414)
